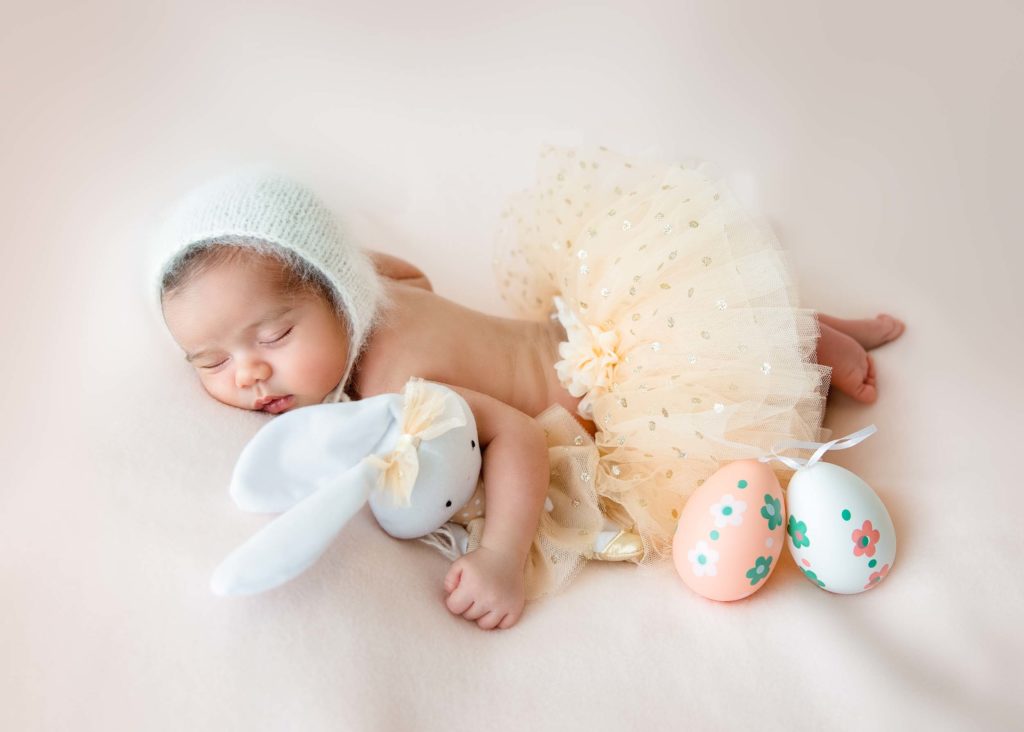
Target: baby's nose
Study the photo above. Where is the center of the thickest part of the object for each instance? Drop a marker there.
(249, 373)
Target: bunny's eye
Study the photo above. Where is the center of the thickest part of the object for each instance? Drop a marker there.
(448, 505)
(472, 444)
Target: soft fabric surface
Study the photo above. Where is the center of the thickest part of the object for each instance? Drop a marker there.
(882, 141)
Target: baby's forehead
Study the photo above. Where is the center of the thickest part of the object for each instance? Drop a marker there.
(230, 297)
(263, 278)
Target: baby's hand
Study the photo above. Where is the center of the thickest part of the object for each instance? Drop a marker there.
(486, 586)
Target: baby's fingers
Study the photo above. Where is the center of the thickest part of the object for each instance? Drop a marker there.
(491, 619)
(451, 580)
(459, 602)
(476, 610)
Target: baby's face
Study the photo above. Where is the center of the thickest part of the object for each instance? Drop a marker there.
(249, 342)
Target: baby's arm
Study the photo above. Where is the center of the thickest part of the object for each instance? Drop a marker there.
(398, 269)
(488, 585)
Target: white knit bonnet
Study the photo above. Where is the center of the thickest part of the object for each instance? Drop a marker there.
(257, 206)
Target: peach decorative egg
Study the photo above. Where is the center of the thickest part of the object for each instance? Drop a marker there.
(840, 534)
(731, 531)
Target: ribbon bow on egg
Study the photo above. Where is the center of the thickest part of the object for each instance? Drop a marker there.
(422, 413)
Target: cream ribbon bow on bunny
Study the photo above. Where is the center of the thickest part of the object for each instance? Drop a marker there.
(422, 419)
(415, 458)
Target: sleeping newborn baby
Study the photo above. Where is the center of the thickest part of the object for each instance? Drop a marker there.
(275, 309)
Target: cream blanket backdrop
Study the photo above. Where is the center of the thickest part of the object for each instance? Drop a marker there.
(882, 140)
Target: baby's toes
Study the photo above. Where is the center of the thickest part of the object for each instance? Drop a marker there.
(867, 390)
(893, 327)
(855, 376)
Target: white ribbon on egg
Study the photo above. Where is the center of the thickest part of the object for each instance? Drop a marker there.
(820, 448)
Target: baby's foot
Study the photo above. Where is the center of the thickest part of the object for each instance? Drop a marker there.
(853, 370)
(869, 332)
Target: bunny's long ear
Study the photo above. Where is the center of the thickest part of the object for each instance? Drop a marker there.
(299, 452)
(295, 540)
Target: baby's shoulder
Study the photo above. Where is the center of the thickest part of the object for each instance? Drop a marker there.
(413, 338)
(426, 335)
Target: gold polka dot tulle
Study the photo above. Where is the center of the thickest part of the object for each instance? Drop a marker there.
(686, 339)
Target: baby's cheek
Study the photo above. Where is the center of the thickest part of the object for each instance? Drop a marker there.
(219, 386)
(321, 369)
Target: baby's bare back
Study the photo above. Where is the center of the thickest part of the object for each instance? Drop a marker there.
(426, 335)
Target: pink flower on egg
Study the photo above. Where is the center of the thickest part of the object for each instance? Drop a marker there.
(877, 577)
(864, 540)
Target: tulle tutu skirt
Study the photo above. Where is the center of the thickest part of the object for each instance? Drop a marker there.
(683, 335)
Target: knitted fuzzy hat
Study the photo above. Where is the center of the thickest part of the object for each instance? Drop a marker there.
(257, 206)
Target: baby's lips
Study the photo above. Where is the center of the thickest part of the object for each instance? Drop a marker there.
(276, 405)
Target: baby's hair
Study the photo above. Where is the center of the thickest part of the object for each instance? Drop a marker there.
(292, 274)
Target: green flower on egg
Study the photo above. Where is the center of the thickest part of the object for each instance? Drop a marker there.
(760, 570)
(772, 510)
(812, 577)
(797, 531)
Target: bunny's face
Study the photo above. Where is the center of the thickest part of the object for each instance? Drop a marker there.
(449, 467)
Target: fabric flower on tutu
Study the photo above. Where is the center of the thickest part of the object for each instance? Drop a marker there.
(589, 358)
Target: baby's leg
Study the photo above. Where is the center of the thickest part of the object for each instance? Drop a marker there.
(869, 332)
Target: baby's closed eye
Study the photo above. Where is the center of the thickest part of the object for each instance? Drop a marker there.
(274, 339)
(277, 338)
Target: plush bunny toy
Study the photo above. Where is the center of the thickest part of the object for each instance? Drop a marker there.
(414, 456)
